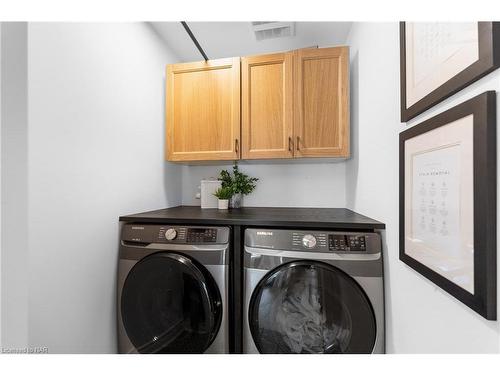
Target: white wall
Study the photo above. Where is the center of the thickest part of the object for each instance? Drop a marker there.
(14, 179)
(0, 184)
(421, 318)
(313, 183)
(96, 144)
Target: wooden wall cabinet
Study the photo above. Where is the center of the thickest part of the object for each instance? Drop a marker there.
(321, 107)
(267, 106)
(293, 105)
(203, 110)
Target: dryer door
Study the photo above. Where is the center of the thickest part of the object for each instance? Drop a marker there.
(170, 304)
(311, 307)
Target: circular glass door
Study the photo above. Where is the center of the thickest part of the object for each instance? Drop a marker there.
(311, 307)
(170, 304)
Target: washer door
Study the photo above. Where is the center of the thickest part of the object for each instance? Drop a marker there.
(170, 304)
(311, 307)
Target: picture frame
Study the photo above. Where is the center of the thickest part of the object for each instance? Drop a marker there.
(441, 63)
(447, 201)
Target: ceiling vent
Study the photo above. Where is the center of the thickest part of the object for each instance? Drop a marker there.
(271, 29)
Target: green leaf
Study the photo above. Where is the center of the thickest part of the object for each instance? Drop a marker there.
(239, 182)
(224, 192)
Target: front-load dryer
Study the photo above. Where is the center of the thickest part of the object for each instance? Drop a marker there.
(313, 292)
(173, 289)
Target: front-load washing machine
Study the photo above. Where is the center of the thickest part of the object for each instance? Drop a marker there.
(173, 289)
(313, 292)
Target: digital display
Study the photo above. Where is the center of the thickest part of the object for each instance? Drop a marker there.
(202, 235)
(196, 230)
(346, 243)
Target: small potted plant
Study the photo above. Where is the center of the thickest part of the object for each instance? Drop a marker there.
(240, 184)
(224, 193)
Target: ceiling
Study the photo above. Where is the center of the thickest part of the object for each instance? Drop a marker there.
(227, 39)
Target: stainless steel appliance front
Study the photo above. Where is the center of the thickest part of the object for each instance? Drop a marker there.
(290, 283)
(207, 247)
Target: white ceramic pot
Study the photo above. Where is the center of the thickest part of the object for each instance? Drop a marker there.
(223, 204)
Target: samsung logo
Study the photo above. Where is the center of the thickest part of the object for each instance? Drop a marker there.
(263, 233)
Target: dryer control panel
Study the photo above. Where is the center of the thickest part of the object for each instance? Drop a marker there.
(314, 241)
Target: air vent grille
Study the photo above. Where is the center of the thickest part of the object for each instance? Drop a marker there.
(272, 29)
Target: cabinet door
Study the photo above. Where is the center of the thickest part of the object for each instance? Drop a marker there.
(267, 100)
(321, 111)
(203, 110)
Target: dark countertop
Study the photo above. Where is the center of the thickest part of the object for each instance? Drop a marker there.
(341, 218)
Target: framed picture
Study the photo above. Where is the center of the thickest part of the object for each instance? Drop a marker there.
(438, 59)
(447, 201)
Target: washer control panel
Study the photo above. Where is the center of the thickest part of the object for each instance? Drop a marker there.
(188, 235)
(172, 234)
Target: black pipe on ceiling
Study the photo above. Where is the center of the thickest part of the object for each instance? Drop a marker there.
(195, 41)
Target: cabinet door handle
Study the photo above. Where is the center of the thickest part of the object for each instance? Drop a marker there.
(290, 144)
(298, 141)
(236, 145)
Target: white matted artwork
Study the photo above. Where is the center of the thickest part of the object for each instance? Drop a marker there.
(438, 59)
(447, 201)
(439, 222)
(435, 52)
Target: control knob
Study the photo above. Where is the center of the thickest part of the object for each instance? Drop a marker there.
(309, 241)
(170, 234)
